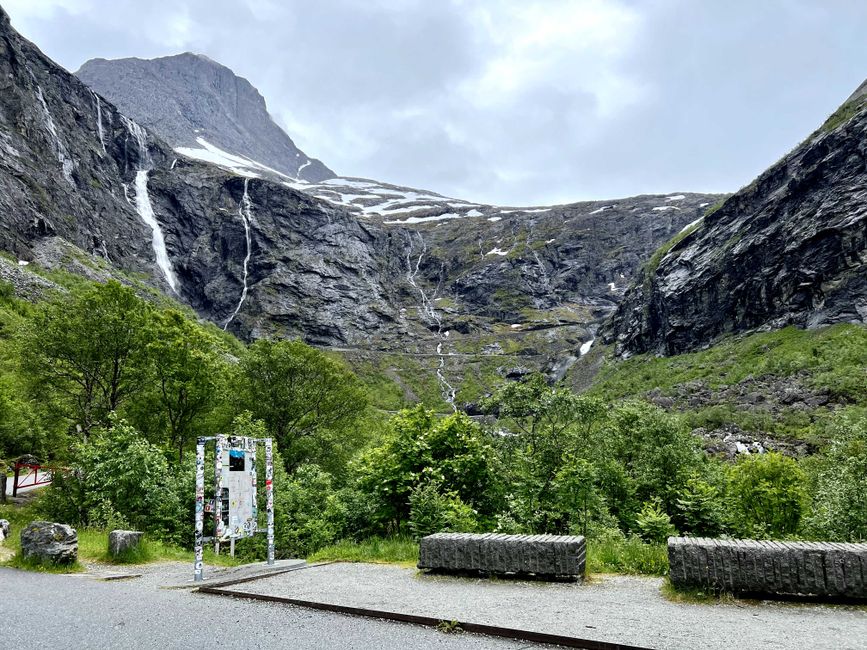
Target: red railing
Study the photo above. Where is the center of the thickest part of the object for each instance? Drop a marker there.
(31, 477)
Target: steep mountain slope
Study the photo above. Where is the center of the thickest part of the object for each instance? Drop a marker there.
(188, 99)
(442, 306)
(789, 249)
(80, 180)
(463, 284)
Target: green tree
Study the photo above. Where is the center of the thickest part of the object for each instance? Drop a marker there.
(80, 351)
(576, 486)
(303, 396)
(452, 451)
(767, 494)
(185, 371)
(839, 503)
(547, 424)
(538, 410)
(658, 453)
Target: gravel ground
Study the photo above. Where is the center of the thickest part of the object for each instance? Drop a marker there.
(618, 609)
(81, 611)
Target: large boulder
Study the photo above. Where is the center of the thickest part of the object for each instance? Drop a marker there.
(121, 541)
(49, 542)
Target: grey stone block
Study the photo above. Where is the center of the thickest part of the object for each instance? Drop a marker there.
(121, 541)
(784, 568)
(541, 555)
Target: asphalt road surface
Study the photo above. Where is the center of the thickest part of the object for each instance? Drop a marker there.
(79, 611)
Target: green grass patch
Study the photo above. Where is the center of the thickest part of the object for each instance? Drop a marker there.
(832, 360)
(627, 556)
(33, 564)
(378, 550)
(695, 596)
(630, 556)
(843, 114)
(93, 546)
(835, 358)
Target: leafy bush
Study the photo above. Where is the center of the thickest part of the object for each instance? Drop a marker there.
(654, 524)
(452, 451)
(839, 504)
(119, 478)
(432, 511)
(700, 509)
(767, 495)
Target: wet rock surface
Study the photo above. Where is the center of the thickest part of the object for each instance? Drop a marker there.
(70, 163)
(789, 249)
(731, 441)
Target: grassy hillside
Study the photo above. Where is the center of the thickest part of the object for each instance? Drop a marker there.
(785, 382)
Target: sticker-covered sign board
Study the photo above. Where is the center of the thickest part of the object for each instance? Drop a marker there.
(238, 488)
(234, 506)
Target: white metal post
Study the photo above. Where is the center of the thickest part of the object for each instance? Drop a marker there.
(269, 496)
(218, 493)
(200, 510)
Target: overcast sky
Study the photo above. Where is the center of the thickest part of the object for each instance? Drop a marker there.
(510, 102)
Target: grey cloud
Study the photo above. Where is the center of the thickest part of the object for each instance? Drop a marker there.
(683, 96)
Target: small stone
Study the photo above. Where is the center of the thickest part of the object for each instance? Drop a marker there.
(120, 541)
(49, 542)
(5, 528)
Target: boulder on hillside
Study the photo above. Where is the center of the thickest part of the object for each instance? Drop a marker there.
(121, 541)
(49, 542)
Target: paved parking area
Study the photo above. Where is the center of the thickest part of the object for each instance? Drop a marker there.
(617, 609)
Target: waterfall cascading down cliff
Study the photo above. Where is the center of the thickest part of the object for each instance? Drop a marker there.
(245, 210)
(143, 203)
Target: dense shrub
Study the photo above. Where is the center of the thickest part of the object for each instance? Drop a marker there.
(420, 448)
(700, 509)
(120, 478)
(654, 524)
(767, 495)
(433, 511)
(840, 501)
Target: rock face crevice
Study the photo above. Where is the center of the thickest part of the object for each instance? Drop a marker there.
(789, 249)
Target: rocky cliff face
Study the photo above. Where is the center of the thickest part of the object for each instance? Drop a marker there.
(84, 187)
(791, 248)
(189, 98)
(79, 179)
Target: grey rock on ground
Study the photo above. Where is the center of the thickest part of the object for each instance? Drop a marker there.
(49, 542)
(5, 528)
(120, 541)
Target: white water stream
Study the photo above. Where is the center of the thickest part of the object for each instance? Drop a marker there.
(143, 203)
(63, 157)
(428, 311)
(99, 120)
(245, 210)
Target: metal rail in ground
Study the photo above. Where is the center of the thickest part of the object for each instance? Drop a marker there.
(414, 619)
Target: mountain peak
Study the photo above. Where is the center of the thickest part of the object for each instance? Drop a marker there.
(189, 98)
